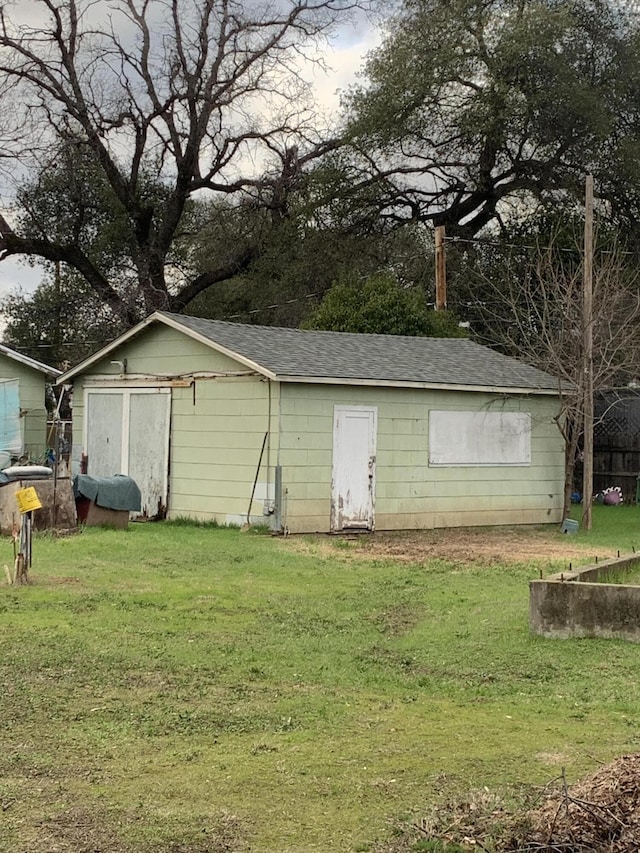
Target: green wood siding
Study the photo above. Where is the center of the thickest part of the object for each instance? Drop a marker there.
(215, 449)
(409, 492)
(161, 350)
(217, 425)
(32, 403)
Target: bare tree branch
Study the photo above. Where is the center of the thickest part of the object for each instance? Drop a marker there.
(12, 244)
(536, 315)
(169, 94)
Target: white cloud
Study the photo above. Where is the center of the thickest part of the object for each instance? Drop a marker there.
(18, 275)
(344, 59)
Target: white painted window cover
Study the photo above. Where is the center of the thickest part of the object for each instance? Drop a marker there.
(458, 438)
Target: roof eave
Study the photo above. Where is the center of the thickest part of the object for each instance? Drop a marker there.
(435, 386)
(105, 350)
(247, 362)
(40, 366)
(159, 317)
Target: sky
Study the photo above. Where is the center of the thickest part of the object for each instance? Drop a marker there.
(344, 58)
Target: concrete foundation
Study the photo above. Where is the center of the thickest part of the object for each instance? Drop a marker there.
(574, 604)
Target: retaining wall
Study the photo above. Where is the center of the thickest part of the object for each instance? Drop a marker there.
(573, 604)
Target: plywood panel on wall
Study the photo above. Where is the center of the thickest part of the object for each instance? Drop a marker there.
(479, 438)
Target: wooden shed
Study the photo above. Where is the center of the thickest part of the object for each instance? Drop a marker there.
(319, 431)
(29, 377)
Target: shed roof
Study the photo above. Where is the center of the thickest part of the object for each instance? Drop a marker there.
(341, 357)
(29, 362)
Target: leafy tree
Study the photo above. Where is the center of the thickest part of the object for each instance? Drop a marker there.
(496, 262)
(63, 321)
(298, 260)
(470, 111)
(379, 305)
(164, 101)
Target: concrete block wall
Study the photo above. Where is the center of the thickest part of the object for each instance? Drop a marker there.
(574, 604)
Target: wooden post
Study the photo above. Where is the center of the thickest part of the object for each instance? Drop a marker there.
(20, 570)
(441, 269)
(587, 362)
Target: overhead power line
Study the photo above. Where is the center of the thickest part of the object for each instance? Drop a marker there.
(501, 245)
(251, 311)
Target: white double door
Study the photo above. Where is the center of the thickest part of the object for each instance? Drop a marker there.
(127, 432)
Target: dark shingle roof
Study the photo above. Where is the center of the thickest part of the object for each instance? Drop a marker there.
(391, 358)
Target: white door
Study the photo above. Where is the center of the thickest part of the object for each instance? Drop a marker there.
(354, 461)
(127, 432)
(104, 434)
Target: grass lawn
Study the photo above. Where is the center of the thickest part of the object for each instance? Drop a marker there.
(183, 688)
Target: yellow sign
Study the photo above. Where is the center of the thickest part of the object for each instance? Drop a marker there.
(28, 499)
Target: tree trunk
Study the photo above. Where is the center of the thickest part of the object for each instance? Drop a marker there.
(571, 437)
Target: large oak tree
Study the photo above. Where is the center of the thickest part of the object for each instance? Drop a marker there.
(469, 111)
(153, 103)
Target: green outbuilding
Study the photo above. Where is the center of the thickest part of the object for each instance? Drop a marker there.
(23, 384)
(319, 431)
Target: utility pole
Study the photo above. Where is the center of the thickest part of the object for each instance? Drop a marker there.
(441, 270)
(587, 359)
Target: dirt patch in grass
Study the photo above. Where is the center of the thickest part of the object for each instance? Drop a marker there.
(464, 545)
(473, 545)
(79, 830)
(76, 831)
(398, 619)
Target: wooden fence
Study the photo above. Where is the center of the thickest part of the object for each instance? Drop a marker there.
(616, 442)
